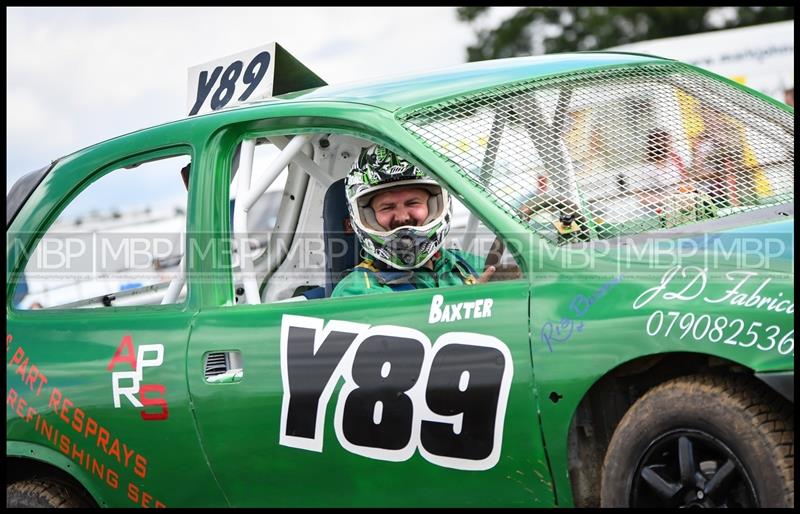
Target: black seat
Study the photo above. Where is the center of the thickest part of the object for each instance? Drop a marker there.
(342, 248)
(341, 244)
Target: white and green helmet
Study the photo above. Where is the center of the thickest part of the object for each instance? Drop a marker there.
(407, 247)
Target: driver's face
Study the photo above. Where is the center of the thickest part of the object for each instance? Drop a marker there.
(398, 207)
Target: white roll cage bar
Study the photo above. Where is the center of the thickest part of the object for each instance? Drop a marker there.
(247, 194)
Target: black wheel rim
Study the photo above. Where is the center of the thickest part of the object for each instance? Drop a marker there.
(690, 468)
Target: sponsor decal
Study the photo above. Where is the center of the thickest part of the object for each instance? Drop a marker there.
(149, 355)
(746, 290)
(445, 313)
(733, 331)
(401, 394)
(562, 330)
(74, 431)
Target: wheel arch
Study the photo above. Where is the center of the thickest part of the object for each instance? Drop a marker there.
(605, 403)
(26, 461)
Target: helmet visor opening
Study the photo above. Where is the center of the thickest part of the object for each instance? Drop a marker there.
(437, 203)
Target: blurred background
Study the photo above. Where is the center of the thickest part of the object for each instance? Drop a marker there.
(77, 76)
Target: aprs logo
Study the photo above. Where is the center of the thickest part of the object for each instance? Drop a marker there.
(401, 394)
(126, 353)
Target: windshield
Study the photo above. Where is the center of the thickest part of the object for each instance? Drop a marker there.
(21, 191)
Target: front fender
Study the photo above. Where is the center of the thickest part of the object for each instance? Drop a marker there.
(58, 460)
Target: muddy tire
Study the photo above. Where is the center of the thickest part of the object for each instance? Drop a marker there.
(43, 493)
(702, 441)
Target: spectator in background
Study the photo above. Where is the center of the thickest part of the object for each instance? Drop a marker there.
(788, 96)
(661, 173)
(718, 167)
(664, 162)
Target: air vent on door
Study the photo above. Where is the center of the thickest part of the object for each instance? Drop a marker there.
(223, 367)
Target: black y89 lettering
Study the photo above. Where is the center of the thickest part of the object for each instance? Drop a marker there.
(399, 392)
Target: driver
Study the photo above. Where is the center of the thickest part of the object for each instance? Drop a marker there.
(401, 217)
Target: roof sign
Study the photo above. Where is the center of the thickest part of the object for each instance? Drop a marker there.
(261, 72)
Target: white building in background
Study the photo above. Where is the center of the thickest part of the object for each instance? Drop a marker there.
(760, 56)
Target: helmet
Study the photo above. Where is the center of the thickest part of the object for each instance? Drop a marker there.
(407, 247)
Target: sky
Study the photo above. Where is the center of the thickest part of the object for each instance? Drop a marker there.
(78, 76)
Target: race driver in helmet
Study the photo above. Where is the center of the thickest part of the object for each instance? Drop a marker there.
(401, 218)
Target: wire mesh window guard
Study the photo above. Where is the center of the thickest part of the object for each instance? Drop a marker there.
(596, 154)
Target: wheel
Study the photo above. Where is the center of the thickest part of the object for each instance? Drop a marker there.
(43, 493)
(702, 441)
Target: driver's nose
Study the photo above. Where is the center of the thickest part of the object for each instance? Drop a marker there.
(402, 217)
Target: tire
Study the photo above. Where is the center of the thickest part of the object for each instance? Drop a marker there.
(43, 493)
(702, 441)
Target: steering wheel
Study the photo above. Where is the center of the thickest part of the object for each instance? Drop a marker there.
(553, 209)
(501, 273)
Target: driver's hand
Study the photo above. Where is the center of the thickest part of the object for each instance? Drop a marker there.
(486, 275)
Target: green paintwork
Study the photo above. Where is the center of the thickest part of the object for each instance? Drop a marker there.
(220, 444)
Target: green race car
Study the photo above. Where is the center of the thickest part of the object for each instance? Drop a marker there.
(634, 348)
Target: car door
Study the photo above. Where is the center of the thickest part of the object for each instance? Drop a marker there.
(96, 387)
(290, 433)
(414, 398)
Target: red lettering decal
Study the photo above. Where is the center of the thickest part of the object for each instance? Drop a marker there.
(112, 479)
(55, 399)
(9, 338)
(133, 493)
(141, 466)
(128, 453)
(146, 388)
(64, 445)
(160, 505)
(21, 405)
(42, 381)
(130, 358)
(91, 427)
(65, 409)
(77, 452)
(77, 420)
(146, 497)
(31, 413)
(98, 468)
(114, 451)
(102, 439)
(32, 376)
(17, 357)
(22, 368)
(11, 399)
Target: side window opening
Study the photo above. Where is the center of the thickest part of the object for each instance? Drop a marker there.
(312, 244)
(119, 242)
